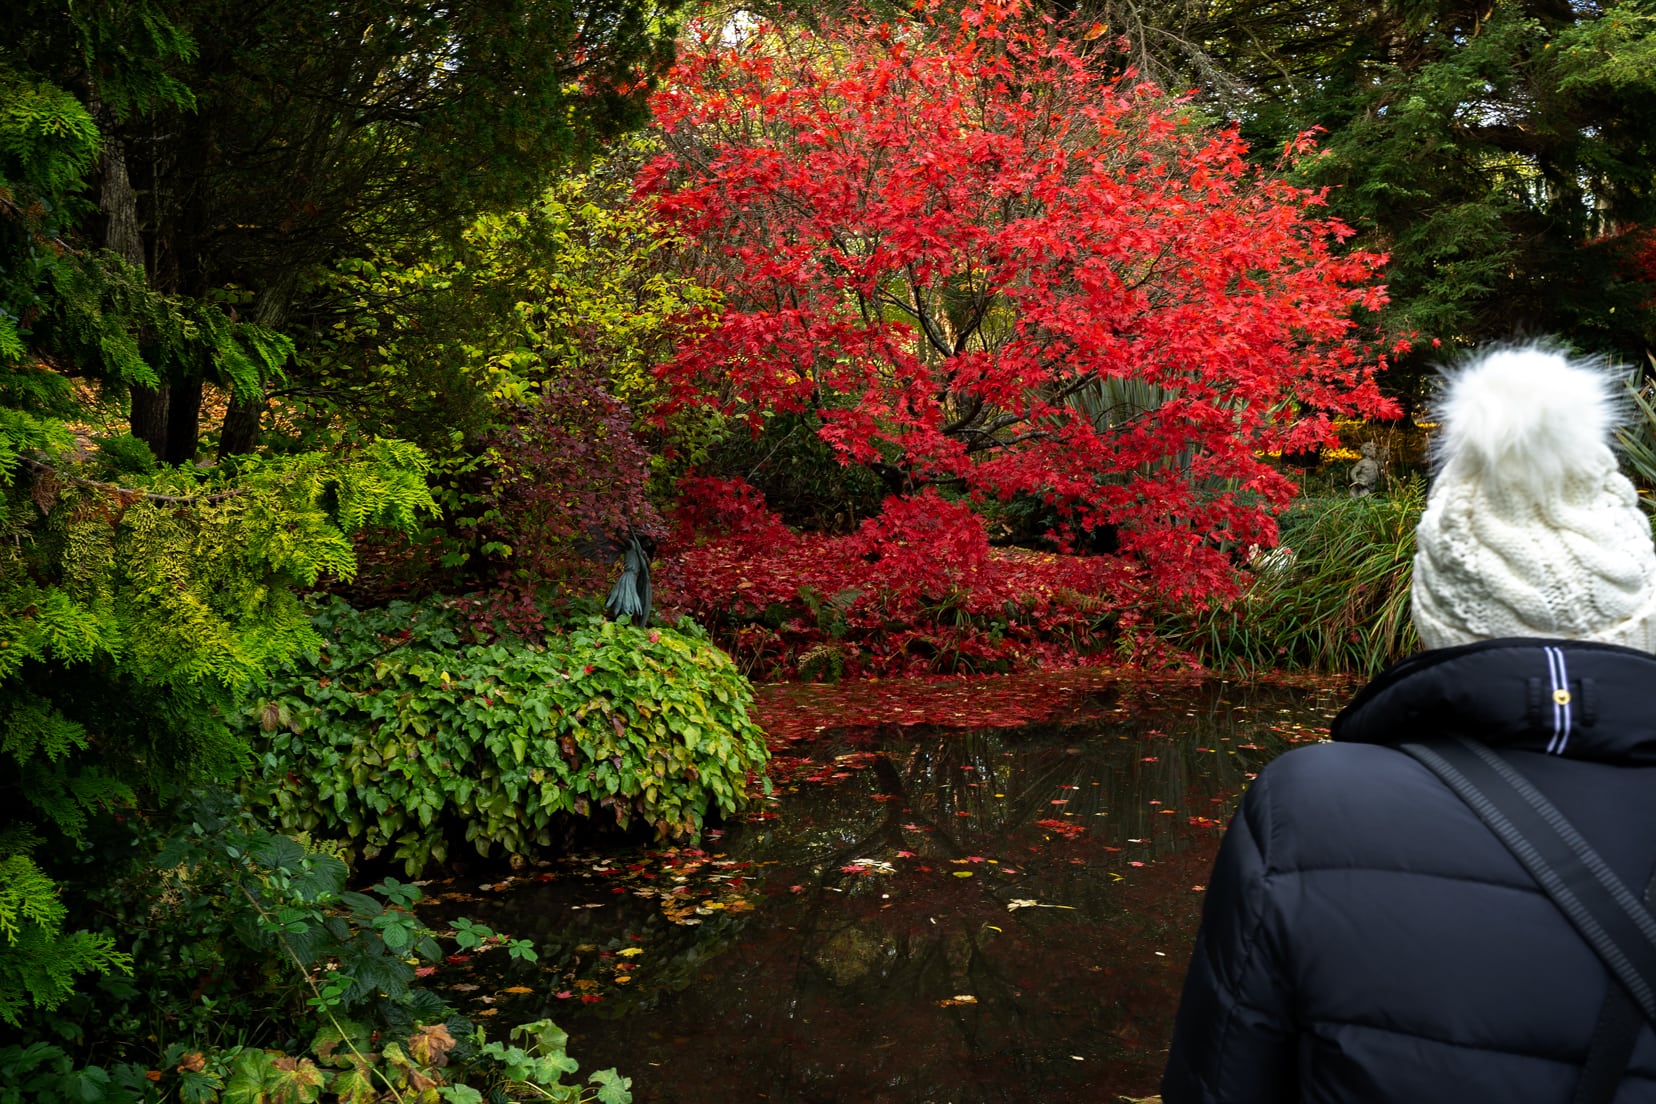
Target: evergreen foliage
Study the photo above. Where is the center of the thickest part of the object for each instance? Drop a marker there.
(132, 619)
(1498, 152)
(137, 603)
(40, 961)
(248, 150)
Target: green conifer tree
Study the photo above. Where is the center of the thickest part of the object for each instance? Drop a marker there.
(136, 600)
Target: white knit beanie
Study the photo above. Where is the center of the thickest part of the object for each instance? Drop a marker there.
(1530, 530)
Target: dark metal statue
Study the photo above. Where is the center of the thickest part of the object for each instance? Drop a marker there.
(630, 596)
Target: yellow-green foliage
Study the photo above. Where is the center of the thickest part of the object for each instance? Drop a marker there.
(440, 335)
(599, 287)
(132, 619)
(38, 962)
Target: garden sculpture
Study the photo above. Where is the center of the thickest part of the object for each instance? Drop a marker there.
(1442, 903)
(1365, 473)
(630, 597)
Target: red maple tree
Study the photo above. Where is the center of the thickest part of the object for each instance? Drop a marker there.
(981, 260)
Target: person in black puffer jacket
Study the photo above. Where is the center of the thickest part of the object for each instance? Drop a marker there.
(1365, 936)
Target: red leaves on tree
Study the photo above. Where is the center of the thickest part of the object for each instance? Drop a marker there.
(916, 590)
(974, 256)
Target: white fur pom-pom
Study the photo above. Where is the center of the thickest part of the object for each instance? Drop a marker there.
(1527, 418)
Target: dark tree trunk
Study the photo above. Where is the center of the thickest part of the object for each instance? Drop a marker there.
(148, 419)
(119, 202)
(240, 431)
(124, 237)
(183, 420)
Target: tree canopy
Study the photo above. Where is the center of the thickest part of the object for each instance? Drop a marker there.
(243, 149)
(1500, 153)
(978, 262)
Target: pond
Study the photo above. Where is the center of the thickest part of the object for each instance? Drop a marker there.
(917, 914)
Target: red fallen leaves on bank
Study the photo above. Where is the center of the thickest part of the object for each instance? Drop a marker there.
(791, 711)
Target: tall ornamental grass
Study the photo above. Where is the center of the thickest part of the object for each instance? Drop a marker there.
(1637, 437)
(1332, 597)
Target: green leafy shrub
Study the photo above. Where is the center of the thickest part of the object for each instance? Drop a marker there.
(396, 734)
(229, 931)
(1332, 597)
(257, 975)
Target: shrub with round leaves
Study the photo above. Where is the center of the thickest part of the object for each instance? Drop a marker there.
(396, 734)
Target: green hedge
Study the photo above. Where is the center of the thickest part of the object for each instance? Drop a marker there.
(397, 730)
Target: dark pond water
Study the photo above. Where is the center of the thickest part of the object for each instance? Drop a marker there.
(919, 914)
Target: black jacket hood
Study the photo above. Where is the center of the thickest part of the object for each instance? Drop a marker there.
(1577, 699)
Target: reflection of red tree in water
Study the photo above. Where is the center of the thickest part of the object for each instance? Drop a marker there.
(794, 711)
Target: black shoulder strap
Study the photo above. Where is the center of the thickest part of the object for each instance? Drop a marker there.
(1597, 903)
(1610, 1049)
